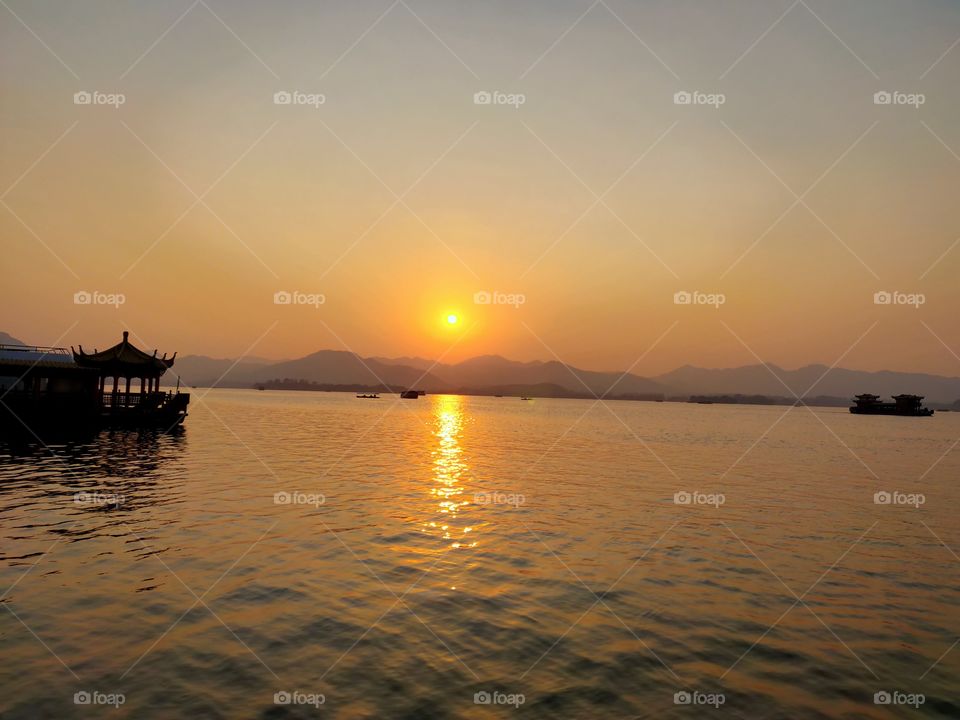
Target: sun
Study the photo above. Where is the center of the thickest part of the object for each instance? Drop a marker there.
(452, 319)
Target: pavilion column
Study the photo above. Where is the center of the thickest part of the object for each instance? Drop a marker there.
(142, 385)
(113, 399)
(126, 400)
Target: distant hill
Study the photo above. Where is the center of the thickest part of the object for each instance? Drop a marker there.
(206, 371)
(9, 340)
(488, 371)
(343, 368)
(329, 367)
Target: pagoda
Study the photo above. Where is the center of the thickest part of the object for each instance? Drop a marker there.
(126, 403)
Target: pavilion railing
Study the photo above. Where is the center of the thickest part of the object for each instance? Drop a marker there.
(132, 399)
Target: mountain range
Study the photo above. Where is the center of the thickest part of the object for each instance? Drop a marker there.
(493, 374)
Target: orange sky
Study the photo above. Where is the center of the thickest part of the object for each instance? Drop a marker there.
(398, 198)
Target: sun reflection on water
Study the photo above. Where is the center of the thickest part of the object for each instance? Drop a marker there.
(450, 472)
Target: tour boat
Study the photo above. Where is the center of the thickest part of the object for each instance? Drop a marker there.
(909, 405)
(51, 387)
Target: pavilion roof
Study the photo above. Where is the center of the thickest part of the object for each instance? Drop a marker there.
(124, 358)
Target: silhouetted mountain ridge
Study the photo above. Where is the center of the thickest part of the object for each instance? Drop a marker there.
(495, 374)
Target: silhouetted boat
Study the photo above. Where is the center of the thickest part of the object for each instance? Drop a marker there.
(373, 396)
(908, 405)
(526, 398)
(50, 387)
(411, 394)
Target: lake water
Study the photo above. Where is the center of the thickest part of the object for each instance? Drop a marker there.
(455, 557)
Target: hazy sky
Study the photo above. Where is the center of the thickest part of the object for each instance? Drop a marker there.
(399, 197)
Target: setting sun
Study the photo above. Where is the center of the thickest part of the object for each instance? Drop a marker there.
(452, 319)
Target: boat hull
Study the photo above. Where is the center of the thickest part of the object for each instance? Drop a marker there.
(20, 412)
(922, 412)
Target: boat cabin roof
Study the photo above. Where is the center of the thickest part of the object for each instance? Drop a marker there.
(32, 355)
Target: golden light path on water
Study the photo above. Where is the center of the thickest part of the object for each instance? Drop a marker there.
(450, 471)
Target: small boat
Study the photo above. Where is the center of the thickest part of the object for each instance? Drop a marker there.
(526, 398)
(411, 394)
(371, 396)
(906, 405)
